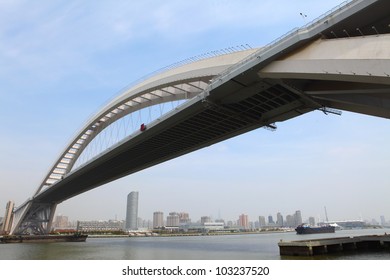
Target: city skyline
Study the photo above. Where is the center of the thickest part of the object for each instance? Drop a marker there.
(178, 219)
(62, 61)
(171, 218)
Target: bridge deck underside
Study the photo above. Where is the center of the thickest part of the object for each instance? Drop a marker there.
(208, 123)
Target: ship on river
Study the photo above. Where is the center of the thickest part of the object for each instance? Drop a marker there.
(43, 238)
(306, 229)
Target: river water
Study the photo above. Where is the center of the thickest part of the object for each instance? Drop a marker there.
(228, 247)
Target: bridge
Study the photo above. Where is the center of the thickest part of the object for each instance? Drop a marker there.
(339, 61)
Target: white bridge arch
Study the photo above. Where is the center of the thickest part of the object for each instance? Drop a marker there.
(181, 83)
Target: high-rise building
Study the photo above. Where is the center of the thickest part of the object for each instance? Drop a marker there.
(298, 218)
(8, 217)
(261, 221)
(279, 219)
(270, 220)
(132, 211)
(158, 219)
(290, 221)
(173, 219)
(184, 218)
(243, 221)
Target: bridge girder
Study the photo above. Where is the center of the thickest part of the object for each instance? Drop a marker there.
(350, 74)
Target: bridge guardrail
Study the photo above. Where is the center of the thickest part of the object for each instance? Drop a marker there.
(312, 24)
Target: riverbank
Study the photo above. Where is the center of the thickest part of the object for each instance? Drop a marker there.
(183, 234)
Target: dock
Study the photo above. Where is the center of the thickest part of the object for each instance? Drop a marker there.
(334, 245)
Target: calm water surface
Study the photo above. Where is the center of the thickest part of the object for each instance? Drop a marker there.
(234, 247)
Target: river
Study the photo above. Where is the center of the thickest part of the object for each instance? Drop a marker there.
(226, 247)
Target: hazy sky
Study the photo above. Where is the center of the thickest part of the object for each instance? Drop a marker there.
(61, 61)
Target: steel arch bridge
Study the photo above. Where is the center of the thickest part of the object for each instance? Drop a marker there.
(180, 83)
(228, 95)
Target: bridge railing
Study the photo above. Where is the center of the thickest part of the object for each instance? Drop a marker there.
(286, 37)
(320, 18)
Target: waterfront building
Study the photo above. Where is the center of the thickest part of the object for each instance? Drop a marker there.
(205, 219)
(144, 224)
(213, 226)
(243, 221)
(350, 224)
(100, 226)
(132, 211)
(158, 219)
(8, 217)
(61, 222)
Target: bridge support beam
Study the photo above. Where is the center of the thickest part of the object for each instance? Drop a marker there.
(348, 74)
(34, 218)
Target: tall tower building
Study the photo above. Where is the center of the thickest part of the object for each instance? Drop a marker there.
(8, 217)
(279, 219)
(261, 221)
(243, 221)
(298, 218)
(132, 211)
(158, 219)
(290, 221)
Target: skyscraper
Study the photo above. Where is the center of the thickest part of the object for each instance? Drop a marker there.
(132, 211)
(243, 221)
(261, 221)
(158, 219)
(279, 219)
(298, 218)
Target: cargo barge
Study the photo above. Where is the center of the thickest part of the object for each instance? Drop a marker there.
(43, 238)
(306, 229)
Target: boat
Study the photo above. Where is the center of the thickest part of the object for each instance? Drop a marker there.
(306, 229)
(43, 238)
